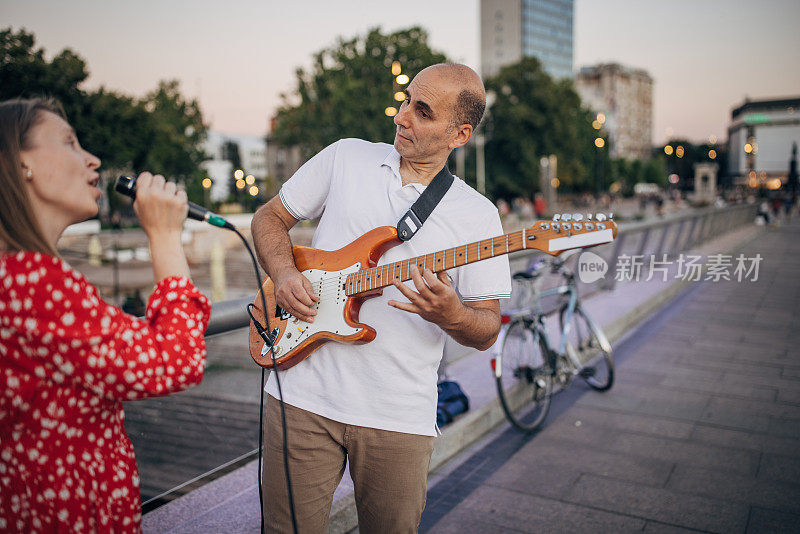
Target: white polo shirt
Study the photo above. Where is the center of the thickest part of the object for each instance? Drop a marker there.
(389, 383)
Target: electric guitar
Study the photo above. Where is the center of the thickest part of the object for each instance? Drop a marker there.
(344, 278)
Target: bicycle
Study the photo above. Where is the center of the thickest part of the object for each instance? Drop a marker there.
(527, 368)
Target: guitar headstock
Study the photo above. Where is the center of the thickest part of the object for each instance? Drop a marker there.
(568, 231)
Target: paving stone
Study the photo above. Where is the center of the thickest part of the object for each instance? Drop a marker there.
(768, 521)
(715, 387)
(522, 470)
(517, 512)
(653, 527)
(782, 468)
(703, 513)
(630, 422)
(741, 439)
(733, 487)
(688, 453)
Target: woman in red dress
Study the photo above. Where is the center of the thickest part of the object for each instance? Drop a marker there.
(68, 359)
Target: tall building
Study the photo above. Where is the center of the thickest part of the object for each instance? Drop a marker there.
(625, 96)
(511, 29)
(760, 140)
(252, 151)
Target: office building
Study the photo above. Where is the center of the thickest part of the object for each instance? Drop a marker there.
(624, 96)
(760, 139)
(511, 29)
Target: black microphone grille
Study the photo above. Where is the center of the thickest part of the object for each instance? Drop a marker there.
(126, 185)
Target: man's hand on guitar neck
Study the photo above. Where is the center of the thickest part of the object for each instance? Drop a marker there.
(475, 325)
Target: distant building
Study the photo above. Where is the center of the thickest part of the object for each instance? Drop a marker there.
(252, 154)
(625, 96)
(760, 138)
(511, 29)
(282, 161)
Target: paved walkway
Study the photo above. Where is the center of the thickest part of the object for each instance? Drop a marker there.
(701, 431)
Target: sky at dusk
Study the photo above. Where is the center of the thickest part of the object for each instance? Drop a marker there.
(237, 57)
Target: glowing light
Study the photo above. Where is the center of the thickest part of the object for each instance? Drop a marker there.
(396, 68)
(755, 148)
(240, 184)
(390, 111)
(679, 151)
(748, 148)
(253, 190)
(402, 79)
(752, 175)
(250, 180)
(555, 182)
(596, 125)
(207, 183)
(674, 178)
(712, 139)
(668, 150)
(238, 174)
(774, 184)
(752, 182)
(399, 96)
(712, 154)
(599, 142)
(601, 118)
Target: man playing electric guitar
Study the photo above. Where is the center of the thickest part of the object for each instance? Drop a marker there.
(375, 403)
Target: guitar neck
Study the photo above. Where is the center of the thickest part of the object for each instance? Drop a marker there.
(367, 280)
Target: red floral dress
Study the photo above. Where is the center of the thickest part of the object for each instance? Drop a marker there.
(67, 361)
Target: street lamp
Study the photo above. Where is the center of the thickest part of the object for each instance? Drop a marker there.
(207, 183)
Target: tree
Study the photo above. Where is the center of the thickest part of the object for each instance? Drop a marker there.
(161, 132)
(534, 116)
(348, 87)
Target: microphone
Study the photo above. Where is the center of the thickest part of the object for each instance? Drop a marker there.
(126, 185)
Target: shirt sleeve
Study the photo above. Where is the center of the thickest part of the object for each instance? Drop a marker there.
(304, 194)
(488, 279)
(70, 334)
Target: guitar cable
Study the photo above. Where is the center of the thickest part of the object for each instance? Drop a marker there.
(264, 333)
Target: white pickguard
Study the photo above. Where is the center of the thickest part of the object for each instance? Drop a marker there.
(329, 287)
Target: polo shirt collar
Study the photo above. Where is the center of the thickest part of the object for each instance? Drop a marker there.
(392, 160)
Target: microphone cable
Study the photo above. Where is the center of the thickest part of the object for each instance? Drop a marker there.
(126, 185)
(264, 332)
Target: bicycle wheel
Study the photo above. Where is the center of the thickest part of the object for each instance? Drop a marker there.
(523, 376)
(592, 348)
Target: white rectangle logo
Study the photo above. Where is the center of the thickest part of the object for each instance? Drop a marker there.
(581, 240)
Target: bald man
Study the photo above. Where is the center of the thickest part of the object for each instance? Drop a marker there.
(375, 404)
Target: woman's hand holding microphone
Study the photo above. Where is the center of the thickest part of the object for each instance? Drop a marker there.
(162, 208)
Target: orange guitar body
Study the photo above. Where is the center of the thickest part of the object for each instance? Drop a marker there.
(366, 251)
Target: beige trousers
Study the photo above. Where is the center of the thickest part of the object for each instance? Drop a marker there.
(389, 472)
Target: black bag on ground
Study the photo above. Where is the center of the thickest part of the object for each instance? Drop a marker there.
(452, 401)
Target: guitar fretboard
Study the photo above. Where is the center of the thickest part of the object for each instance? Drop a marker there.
(382, 276)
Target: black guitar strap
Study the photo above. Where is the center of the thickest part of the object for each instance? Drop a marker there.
(412, 221)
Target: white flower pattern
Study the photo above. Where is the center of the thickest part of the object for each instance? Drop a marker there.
(67, 361)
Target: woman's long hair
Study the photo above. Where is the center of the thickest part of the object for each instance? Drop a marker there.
(19, 229)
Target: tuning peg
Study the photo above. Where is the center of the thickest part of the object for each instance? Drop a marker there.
(544, 226)
(600, 217)
(566, 217)
(588, 216)
(577, 216)
(590, 226)
(557, 227)
(610, 215)
(557, 217)
(577, 226)
(601, 226)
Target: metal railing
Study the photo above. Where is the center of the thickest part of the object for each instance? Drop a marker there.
(669, 235)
